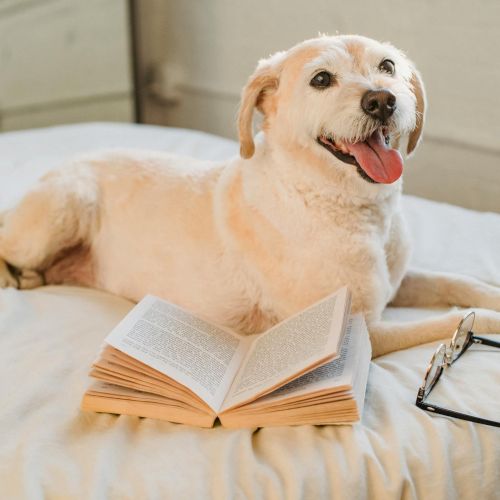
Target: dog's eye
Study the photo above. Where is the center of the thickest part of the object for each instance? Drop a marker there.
(322, 80)
(387, 66)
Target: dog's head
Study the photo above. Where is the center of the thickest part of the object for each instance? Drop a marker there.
(345, 103)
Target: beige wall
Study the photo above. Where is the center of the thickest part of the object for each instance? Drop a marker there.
(211, 46)
(64, 61)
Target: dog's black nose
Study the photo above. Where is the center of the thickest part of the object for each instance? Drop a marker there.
(379, 104)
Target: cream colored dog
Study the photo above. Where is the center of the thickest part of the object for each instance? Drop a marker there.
(311, 206)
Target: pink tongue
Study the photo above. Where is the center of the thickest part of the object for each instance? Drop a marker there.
(381, 163)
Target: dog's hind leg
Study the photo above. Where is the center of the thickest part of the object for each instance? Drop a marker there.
(388, 336)
(57, 215)
(433, 289)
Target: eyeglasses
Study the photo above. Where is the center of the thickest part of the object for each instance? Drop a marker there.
(445, 356)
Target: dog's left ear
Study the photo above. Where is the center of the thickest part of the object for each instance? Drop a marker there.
(420, 105)
(260, 85)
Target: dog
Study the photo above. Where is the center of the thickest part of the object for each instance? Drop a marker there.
(310, 205)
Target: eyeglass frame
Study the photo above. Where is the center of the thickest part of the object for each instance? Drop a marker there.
(448, 360)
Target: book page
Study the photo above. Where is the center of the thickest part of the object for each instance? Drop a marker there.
(193, 352)
(290, 348)
(109, 398)
(340, 372)
(362, 371)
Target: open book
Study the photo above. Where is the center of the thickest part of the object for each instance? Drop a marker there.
(162, 362)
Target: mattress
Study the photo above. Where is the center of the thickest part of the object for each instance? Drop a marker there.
(50, 336)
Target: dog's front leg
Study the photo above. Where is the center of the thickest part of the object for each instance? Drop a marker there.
(388, 336)
(433, 289)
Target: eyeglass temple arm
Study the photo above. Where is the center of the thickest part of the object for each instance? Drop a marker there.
(455, 414)
(484, 341)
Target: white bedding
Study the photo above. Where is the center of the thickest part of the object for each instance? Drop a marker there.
(49, 337)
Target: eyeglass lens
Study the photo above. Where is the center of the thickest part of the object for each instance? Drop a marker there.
(435, 369)
(461, 337)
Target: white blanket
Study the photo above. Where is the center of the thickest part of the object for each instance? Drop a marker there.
(50, 336)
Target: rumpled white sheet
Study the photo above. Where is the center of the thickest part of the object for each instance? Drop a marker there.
(49, 337)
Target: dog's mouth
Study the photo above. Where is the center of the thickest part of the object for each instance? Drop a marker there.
(374, 159)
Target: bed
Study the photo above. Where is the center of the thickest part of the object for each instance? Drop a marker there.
(50, 336)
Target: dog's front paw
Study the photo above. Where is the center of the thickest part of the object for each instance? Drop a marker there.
(488, 297)
(7, 278)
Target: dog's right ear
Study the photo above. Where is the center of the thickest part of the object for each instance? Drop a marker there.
(420, 105)
(256, 92)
